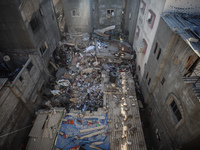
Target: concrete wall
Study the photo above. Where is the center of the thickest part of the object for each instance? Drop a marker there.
(146, 32)
(130, 18)
(16, 32)
(182, 6)
(82, 22)
(95, 6)
(153, 63)
(12, 29)
(32, 82)
(125, 16)
(58, 7)
(101, 20)
(13, 117)
(20, 100)
(47, 31)
(171, 65)
(95, 18)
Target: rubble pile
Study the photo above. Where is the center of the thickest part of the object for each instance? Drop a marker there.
(80, 71)
(93, 81)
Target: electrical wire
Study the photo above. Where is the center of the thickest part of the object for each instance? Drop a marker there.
(20, 129)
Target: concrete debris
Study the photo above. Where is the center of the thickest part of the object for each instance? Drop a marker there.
(82, 62)
(90, 48)
(74, 100)
(80, 76)
(45, 128)
(61, 71)
(56, 92)
(88, 70)
(106, 29)
(63, 82)
(101, 34)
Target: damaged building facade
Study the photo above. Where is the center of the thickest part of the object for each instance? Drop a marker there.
(129, 19)
(29, 35)
(171, 88)
(167, 46)
(107, 13)
(78, 15)
(84, 82)
(86, 15)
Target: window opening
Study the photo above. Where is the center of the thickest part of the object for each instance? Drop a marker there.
(110, 13)
(21, 78)
(43, 47)
(151, 18)
(147, 75)
(155, 49)
(145, 45)
(75, 13)
(176, 111)
(163, 81)
(30, 66)
(149, 81)
(143, 6)
(34, 23)
(158, 54)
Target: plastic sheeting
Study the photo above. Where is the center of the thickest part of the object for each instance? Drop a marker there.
(71, 128)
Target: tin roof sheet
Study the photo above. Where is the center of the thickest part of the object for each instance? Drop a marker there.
(187, 26)
(3, 82)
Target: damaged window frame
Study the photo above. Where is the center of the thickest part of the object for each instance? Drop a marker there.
(143, 48)
(110, 13)
(75, 13)
(30, 66)
(158, 134)
(155, 48)
(21, 78)
(138, 31)
(43, 48)
(142, 7)
(147, 74)
(151, 18)
(159, 53)
(149, 81)
(34, 23)
(163, 81)
(175, 110)
(175, 120)
(145, 44)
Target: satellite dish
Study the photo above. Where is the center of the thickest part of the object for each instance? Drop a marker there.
(6, 58)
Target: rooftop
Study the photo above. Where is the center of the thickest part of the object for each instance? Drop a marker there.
(187, 26)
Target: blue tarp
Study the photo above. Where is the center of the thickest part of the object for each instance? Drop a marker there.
(72, 128)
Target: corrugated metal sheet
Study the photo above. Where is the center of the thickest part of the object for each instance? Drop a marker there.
(3, 82)
(38, 125)
(181, 24)
(36, 139)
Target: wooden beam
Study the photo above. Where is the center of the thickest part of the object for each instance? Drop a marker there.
(92, 146)
(92, 134)
(91, 129)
